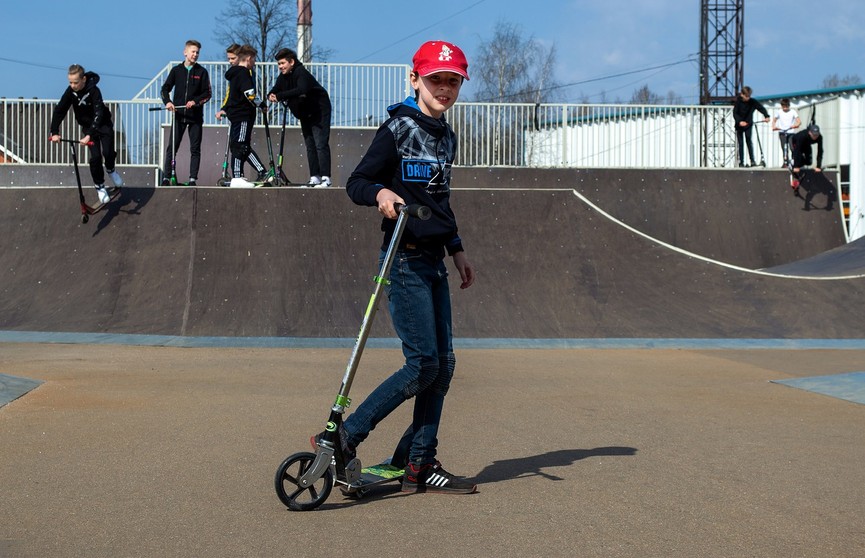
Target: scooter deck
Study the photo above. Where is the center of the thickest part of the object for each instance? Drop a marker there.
(373, 476)
(94, 209)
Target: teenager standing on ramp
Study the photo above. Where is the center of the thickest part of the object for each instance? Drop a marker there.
(85, 99)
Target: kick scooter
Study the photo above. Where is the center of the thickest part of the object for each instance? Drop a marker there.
(760, 145)
(280, 174)
(270, 178)
(173, 178)
(225, 179)
(304, 480)
(86, 209)
(275, 175)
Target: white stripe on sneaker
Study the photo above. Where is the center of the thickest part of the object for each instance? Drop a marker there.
(437, 480)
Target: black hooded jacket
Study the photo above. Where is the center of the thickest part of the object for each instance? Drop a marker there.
(411, 155)
(241, 102)
(305, 97)
(189, 84)
(89, 108)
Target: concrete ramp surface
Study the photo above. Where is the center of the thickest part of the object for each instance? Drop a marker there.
(560, 254)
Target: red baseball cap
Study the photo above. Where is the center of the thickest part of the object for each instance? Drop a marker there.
(440, 56)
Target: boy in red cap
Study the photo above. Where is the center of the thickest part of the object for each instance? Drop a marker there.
(409, 162)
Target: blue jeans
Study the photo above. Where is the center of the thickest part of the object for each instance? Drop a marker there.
(420, 308)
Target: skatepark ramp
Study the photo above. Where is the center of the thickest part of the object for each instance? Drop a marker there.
(560, 254)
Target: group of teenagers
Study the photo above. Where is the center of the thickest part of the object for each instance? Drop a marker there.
(185, 93)
(796, 146)
(187, 88)
(408, 162)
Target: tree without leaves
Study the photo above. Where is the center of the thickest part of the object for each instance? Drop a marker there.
(645, 96)
(268, 25)
(512, 68)
(674, 98)
(834, 80)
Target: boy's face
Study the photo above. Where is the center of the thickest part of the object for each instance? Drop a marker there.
(232, 58)
(77, 82)
(190, 53)
(437, 92)
(284, 65)
(785, 108)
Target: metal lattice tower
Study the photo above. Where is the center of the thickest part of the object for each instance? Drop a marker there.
(722, 55)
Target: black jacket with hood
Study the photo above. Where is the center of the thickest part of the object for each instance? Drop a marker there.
(189, 84)
(305, 97)
(411, 155)
(242, 100)
(89, 108)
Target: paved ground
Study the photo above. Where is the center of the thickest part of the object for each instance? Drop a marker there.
(148, 451)
(124, 450)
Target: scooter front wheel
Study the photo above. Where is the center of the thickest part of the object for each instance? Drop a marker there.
(289, 490)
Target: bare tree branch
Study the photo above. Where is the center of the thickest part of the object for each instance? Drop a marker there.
(268, 25)
(512, 68)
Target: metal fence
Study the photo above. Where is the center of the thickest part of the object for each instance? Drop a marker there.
(563, 135)
(359, 93)
(490, 134)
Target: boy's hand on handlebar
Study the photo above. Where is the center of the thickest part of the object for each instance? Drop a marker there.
(386, 200)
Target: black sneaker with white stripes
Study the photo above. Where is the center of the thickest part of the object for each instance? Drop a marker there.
(432, 478)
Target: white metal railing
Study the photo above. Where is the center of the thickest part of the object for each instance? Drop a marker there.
(359, 93)
(569, 135)
(25, 127)
(490, 134)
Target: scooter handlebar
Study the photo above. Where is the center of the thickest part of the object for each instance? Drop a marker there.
(64, 140)
(415, 210)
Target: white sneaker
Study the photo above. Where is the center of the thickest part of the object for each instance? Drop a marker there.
(115, 178)
(325, 182)
(102, 193)
(241, 183)
(314, 181)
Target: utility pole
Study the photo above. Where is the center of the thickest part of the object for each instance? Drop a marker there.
(304, 31)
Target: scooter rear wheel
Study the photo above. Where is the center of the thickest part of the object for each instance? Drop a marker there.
(289, 490)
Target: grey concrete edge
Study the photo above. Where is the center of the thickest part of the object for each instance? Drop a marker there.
(75, 338)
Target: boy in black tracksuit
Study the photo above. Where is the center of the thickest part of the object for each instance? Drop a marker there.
(743, 116)
(240, 109)
(191, 85)
(310, 104)
(93, 116)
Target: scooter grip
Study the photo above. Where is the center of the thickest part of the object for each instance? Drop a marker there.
(415, 210)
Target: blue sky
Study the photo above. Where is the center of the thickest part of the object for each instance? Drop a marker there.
(790, 46)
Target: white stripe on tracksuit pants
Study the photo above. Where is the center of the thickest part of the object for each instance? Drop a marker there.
(241, 133)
